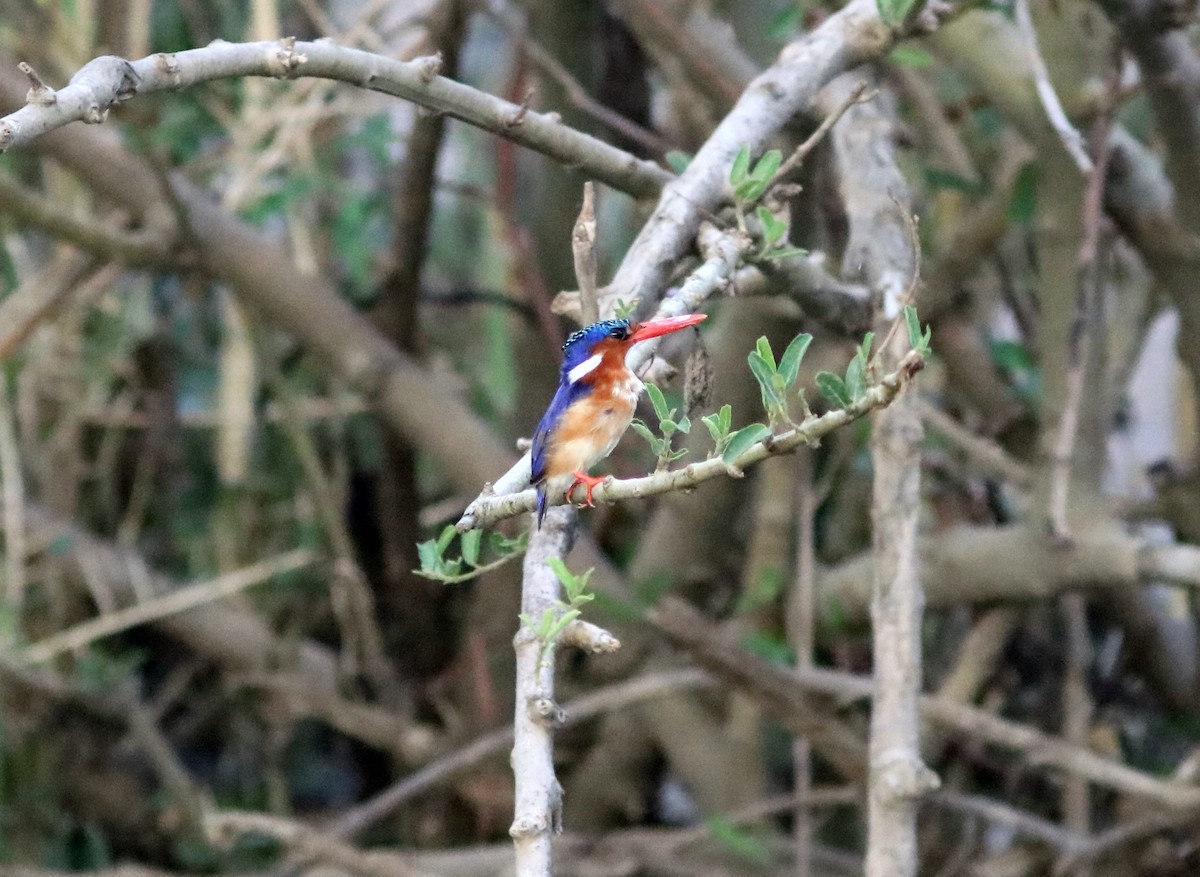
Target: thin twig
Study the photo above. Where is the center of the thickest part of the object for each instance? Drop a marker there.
(576, 93)
(1071, 139)
(615, 697)
(170, 604)
(857, 95)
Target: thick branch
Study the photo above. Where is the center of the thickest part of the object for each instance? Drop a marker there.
(108, 81)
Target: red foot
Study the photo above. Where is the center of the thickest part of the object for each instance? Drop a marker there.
(589, 482)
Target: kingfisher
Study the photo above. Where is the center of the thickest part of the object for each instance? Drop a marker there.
(594, 403)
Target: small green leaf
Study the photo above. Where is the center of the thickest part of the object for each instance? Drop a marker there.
(911, 56)
(623, 309)
(773, 228)
(764, 373)
(644, 431)
(684, 425)
(833, 388)
(750, 190)
(471, 541)
(856, 378)
(937, 178)
(743, 439)
(444, 538)
(565, 577)
(738, 841)
(787, 253)
(913, 324)
(428, 554)
(678, 160)
(726, 414)
(658, 401)
(712, 423)
(864, 349)
(763, 347)
(765, 170)
(1022, 205)
(789, 363)
(561, 622)
(668, 427)
(741, 166)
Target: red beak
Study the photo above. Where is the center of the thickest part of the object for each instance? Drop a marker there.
(654, 328)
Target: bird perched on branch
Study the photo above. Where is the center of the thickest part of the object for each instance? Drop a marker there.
(594, 404)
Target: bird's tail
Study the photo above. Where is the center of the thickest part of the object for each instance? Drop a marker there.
(541, 503)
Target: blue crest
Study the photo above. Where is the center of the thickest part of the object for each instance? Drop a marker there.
(579, 345)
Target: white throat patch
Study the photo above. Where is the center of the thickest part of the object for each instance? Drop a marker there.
(585, 367)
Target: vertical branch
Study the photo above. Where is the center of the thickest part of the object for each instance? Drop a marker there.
(583, 245)
(801, 625)
(538, 811)
(882, 248)
(14, 502)
(897, 775)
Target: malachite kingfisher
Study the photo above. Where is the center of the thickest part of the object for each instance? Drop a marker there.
(594, 404)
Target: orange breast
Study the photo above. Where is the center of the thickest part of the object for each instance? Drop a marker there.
(592, 427)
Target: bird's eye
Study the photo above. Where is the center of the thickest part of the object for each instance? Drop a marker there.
(619, 332)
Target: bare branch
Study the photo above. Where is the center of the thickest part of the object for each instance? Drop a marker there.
(108, 81)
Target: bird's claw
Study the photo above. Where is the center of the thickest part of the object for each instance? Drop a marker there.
(589, 483)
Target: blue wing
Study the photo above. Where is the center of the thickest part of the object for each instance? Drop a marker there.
(566, 396)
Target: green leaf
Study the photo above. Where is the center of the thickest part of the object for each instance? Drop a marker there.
(750, 189)
(743, 439)
(773, 228)
(765, 170)
(565, 577)
(787, 253)
(741, 166)
(678, 160)
(833, 388)
(428, 554)
(864, 349)
(789, 363)
(895, 12)
(785, 23)
(938, 178)
(765, 375)
(712, 423)
(444, 538)
(561, 622)
(763, 347)
(738, 841)
(684, 425)
(644, 431)
(668, 427)
(658, 401)
(726, 414)
(913, 324)
(911, 56)
(856, 378)
(471, 541)
(623, 309)
(1022, 205)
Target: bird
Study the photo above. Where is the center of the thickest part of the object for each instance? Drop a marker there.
(594, 403)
